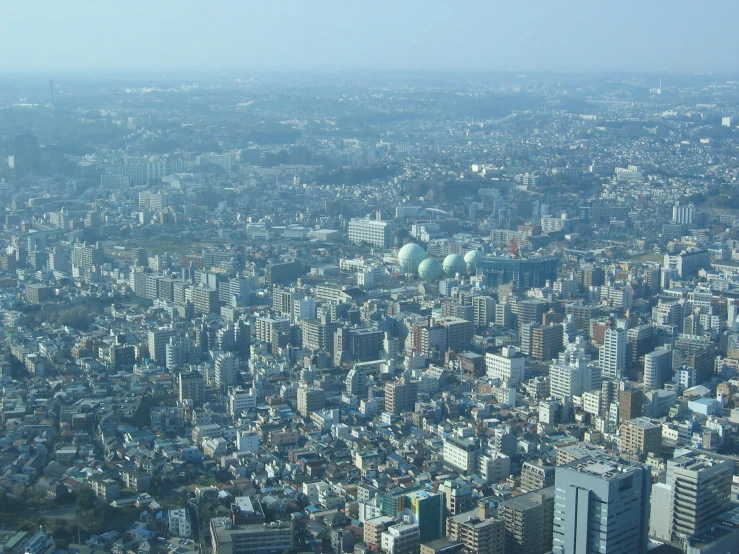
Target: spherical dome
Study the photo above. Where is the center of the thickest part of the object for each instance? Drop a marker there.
(453, 264)
(430, 270)
(410, 256)
(472, 259)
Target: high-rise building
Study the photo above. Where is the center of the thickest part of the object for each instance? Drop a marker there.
(536, 476)
(697, 490)
(427, 511)
(657, 368)
(157, 342)
(400, 396)
(683, 213)
(528, 520)
(546, 342)
(640, 436)
(225, 370)
(310, 400)
(478, 531)
(191, 386)
(601, 505)
(483, 310)
(612, 355)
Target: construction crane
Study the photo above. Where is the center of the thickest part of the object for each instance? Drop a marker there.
(514, 249)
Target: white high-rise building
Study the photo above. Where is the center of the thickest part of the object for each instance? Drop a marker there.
(225, 367)
(612, 355)
(657, 368)
(683, 213)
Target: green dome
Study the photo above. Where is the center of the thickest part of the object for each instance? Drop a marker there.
(472, 259)
(430, 270)
(410, 256)
(453, 264)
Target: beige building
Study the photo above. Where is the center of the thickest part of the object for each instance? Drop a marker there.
(641, 435)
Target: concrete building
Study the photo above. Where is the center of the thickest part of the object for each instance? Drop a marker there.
(612, 355)
(376, 233)
(401, 538)
(478, 532)
(460, 454)
(262, 538)
(310, 400)
(657, 368)
(191, 386)
(509, 365)
(601, 505)
(528, 520)
(641, 436)
(536, 476)
(697, 490)
(400, 396)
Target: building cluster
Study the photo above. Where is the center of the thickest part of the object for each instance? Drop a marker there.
(428, 345)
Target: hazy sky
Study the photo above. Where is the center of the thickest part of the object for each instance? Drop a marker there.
(161, 35)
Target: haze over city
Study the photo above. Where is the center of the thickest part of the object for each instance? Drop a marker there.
(478, 35)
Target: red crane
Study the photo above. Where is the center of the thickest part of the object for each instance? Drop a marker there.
(513, 248)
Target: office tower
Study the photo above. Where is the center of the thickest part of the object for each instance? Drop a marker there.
(478, 531)
(657, 368)
(528, 520)
(582, 315)
(400, 396)
(459, 332)
(191, 386)
(697, 490)
(601, 505)
(310, 400)
(225, 370)
(639, 341)
(612, 355)
(282, 272)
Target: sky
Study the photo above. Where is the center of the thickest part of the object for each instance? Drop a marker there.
(54, 36)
